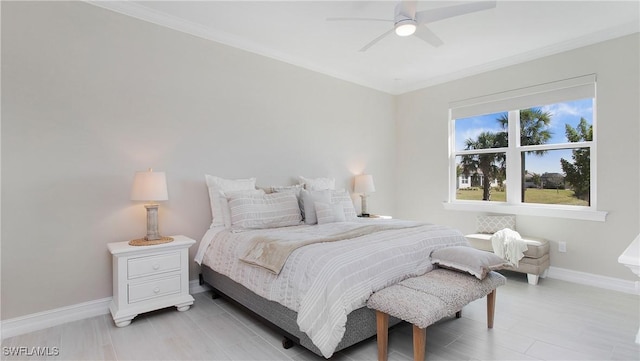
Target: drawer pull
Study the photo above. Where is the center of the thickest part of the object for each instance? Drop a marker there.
(146, 266)
(149, 289)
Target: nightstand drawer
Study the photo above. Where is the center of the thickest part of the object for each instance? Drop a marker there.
(155, 288)
(146, 266)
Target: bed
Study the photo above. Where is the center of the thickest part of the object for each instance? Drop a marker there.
(315, 293)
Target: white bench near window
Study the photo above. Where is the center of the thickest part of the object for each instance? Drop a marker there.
(535, 262)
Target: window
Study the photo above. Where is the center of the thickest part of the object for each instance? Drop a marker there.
(527, 150)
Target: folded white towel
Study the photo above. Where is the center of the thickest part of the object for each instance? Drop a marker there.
(508, 245)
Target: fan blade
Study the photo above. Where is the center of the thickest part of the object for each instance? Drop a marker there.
(358, 19)
(424, 33)
(429, 16)
(374, 41)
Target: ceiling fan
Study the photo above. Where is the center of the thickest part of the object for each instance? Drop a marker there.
(407, 21)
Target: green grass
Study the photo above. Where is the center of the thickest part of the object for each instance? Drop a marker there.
(532, 195)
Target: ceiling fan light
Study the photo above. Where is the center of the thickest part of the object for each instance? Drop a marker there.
(405, 27)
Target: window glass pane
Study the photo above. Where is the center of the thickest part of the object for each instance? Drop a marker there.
(555, 123)
(481, 177)
(482, 131)
(557, 177)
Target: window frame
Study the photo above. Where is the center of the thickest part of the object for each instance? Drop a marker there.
(514, 101)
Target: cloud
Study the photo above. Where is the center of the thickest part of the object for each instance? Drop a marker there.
(563, 109)
(567, 113)
(474, 132)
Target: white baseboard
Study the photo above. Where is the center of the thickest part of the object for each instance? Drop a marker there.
(590, 279)
(41, 320)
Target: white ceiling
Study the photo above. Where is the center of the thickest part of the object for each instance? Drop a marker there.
(297, 32)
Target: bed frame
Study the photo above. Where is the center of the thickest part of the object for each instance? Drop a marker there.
(361, 323)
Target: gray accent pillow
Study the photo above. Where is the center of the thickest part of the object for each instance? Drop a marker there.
(467, 259)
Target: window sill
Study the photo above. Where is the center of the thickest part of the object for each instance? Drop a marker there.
(569, 212)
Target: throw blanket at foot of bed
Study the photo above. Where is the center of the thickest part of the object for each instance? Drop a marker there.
(426, 299)
(272, 253)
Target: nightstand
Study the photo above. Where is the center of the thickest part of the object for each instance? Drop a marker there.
(147, 278)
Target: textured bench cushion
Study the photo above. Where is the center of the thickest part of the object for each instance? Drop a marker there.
(536, 247)
(425, 299)
(419, 309)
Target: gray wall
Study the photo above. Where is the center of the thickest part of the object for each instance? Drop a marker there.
(90, 96)
(592, 247)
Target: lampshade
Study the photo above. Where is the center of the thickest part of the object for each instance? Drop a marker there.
(149, 186)
(364, 184)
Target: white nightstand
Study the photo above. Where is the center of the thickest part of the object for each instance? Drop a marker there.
(147, 278)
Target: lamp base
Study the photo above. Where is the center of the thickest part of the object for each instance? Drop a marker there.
(364, 211)
(145, 242)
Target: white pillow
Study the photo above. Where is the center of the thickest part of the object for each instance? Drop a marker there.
(224, 202)
(329, 213)
(309, 198)
(317, 184)
(296, 189)
(344, 198)
(217, 185)
(264, 211)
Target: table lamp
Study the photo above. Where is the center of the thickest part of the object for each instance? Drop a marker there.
(150, 187)
(363, 185)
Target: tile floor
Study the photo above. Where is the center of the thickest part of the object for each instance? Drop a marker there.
(555, 320)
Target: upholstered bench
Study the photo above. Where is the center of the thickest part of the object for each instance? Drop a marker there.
(535, 262)
(426, 299)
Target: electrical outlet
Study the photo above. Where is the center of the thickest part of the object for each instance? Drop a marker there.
(562, 247)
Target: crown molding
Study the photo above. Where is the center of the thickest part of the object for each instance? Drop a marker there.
(144, 13)
(593, 38)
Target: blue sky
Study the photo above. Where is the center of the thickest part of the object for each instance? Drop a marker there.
(561, 113)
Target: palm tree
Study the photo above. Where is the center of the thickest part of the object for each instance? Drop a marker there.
(486, 163)
(578, 172)
(534, 130)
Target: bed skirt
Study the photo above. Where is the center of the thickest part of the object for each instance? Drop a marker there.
(361, 323)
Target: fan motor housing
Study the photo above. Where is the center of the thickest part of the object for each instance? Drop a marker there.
(405, 27)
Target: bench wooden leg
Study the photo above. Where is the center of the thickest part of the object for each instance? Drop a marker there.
(382, 327)
(491, 308)
(419, 343)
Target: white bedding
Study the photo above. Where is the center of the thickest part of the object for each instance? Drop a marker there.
(324, 282)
